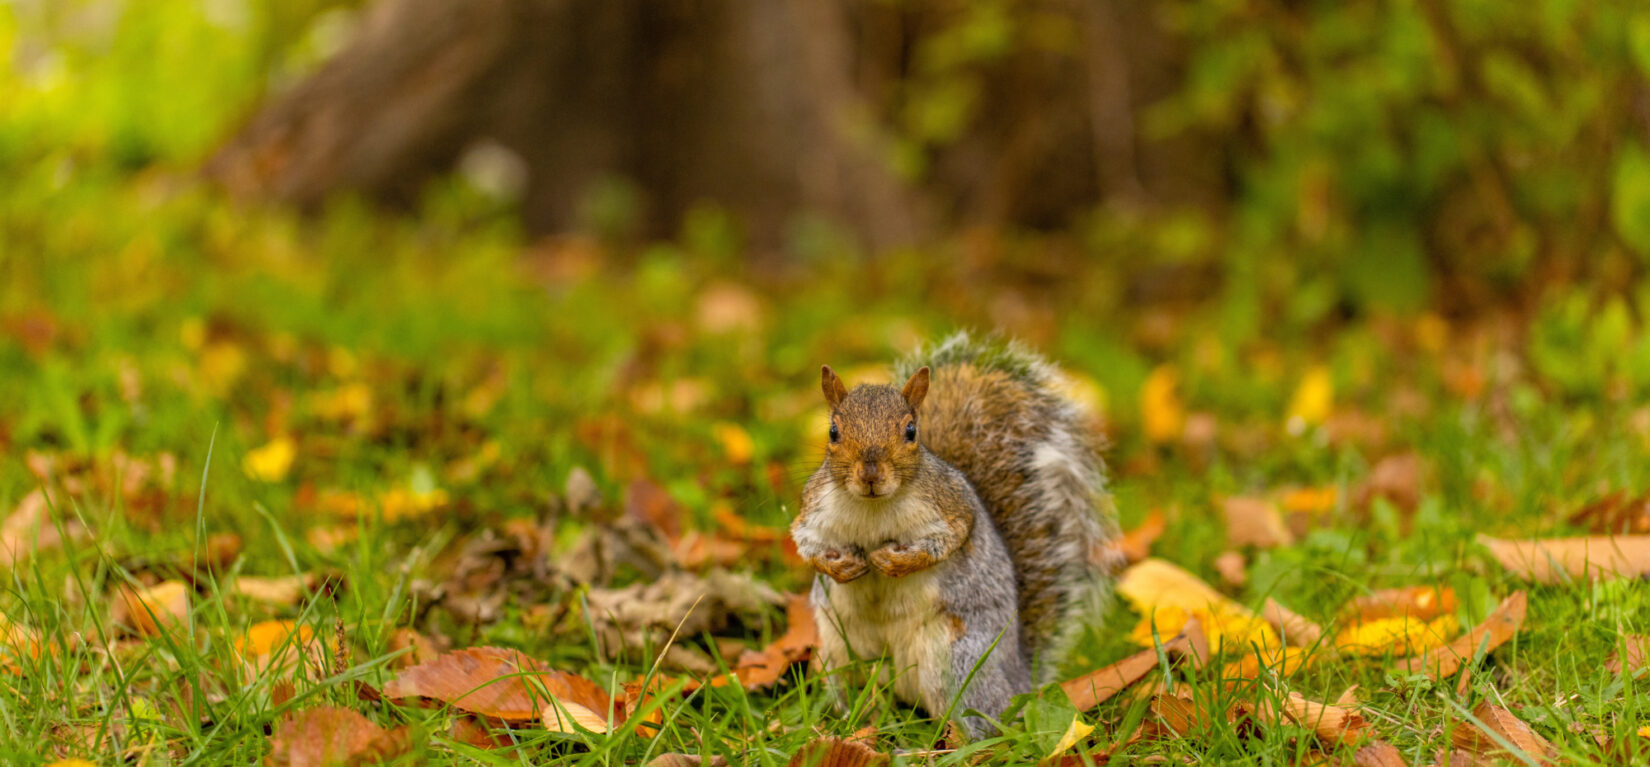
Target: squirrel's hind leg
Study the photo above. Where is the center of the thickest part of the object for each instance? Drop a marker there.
(991, 654)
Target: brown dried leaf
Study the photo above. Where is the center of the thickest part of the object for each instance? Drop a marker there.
(1295, 630)
(1396, 478)
(148, 611)
(473, 730)
(504, 684)
(1255, 522)
(1379, 753)
(1495, 630)
(1557, 560)
(1096, 687)
(1476, 738)
(1331, 723)
(1136, 544)
(1177, 714)
(756, 670)
(330, 735)
(648, 614)
(1615, 514)
(649, 502)
(687, 760)
(1232, 568)
(836, 752)
(420, 648)
(281, 591)
(1418, 603)
(1637, 647)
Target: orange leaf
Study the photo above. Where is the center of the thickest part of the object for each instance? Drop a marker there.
(650, 503)
(1331, 723)
(756, 670)
(148, 611)
(1494, 631)
(329, 735)
(1379, 753)
(507, 685)
(1476, 738)
(1136, 544)
(1096, 687)
(1556, 560)
(836, 752)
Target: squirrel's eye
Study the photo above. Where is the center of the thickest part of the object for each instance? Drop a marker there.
(911, 432)
(835, 435)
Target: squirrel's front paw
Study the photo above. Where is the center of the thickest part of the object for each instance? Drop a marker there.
(842, 565)
(897, 560)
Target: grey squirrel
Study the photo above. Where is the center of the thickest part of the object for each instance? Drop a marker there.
(960, 526)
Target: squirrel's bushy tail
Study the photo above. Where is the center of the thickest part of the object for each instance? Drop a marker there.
(994, 411)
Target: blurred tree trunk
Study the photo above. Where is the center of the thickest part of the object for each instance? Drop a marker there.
(770, 108)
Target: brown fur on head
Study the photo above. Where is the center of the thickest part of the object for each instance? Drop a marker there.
(872, 449)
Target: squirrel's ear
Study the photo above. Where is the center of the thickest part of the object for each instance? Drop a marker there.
(916, 388)
(831, 385)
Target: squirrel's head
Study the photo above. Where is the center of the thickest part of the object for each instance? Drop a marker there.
(872, 446)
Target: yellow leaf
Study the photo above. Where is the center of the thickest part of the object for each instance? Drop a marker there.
(1311, 500)
(735, 441)
(72, 763)
(1077, 731)
(1312, 401)
(1644, 732)
(1398, 636)
(1163, 592)
(1161, 412)
(271, 462)
(262, 638)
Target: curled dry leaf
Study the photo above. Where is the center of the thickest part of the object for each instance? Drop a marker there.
(1331, 723)
(505, 684)
(836, 752)
(148, 611)
(1096, 687)
(1295, 630)
(1254, 522)
(1477, 738)
(1556, 560)
(1136, 544)
(1495, 630)
(329, 735)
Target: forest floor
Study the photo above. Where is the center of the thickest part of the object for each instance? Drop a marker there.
(269, 474)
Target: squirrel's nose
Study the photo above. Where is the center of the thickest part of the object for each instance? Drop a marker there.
(868, 472)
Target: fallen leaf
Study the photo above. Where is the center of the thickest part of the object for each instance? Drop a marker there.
(1556, 560)
(1177, 714)
(16, 643)
(1331, 723)
(1136, 544)
(1096, 687)
(329, 735)
(1397, 478)
(419, 648)
(1254, 522)
(504, 684)
(473, 730)
(1166, 596)
(755, 670)
(633, 698)
(1232, 568)
(1615, 514)
(30, 529)
(1415, 602)
(1379, 753)
(644, 615)
(1477, 738)
(72, 763)
(1075, 732)
(735, 441)
(696, 551)
(687, 760)
(1161, 413)
(1295, 630)
(1310, 500)
(1282, 662)
(1312, 401)
(281, 591)
(149, 611)
(1501, 624)
(276, 642)
(648, 502)
(1396, 636)
(272, 461)
(836, 752)
(1637, 648)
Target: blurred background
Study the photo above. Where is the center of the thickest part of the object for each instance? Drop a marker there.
(428, 254)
